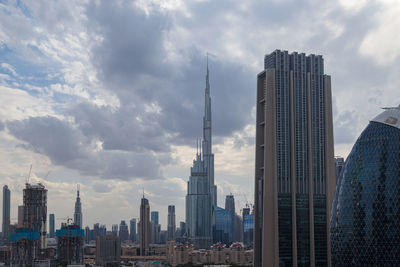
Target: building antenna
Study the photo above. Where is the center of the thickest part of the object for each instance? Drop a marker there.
(197, 146)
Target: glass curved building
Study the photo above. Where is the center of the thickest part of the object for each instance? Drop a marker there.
(365, 221)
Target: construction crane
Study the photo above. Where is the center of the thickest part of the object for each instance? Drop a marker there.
(29, 175)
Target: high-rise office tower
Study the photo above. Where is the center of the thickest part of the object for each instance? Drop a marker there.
(144, 227)
(35, 211)
(6, 212)
(123, 231)
(52, 232)
(132, 230)
(202, 192)
(154, 217)
(78, 210)
(294, 174)
(171, 222)
(230, 203)
(155, 228)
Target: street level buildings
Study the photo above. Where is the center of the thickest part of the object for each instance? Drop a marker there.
(6, 213)
(108, 250)
(294, 170)
(201, 190)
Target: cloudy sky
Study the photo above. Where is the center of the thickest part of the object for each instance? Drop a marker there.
(109, 94)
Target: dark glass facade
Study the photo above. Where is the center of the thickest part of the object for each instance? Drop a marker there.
(365, 222)
(223, 226)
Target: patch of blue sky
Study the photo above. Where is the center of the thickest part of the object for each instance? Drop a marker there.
(24, 9)
(30, 74)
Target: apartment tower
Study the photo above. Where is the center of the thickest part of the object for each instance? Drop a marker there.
(294, 170)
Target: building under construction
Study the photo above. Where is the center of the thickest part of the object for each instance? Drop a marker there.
(24, 245)
(35, 210)
(70, 244)
(28, 243)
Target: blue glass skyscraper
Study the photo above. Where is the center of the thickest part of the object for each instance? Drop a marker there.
(365, 222)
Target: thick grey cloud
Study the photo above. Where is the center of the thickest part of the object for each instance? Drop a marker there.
(134, 63)
(65, 145)
(1, 126)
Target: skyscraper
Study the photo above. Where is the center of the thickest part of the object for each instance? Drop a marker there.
(52, 226)
(294, 174)
(171, 222)
(132, 230)
(144, 227)
(114, 229)
(155, 228)
(78, 210)
(154, 217)
(123, 231)
(365, 223)
(202, 192)
(6, 212)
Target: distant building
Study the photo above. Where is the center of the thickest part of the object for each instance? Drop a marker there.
(144, 227)
(88, 234)
(155, 228)
(339, 163)
(237, 233)
(248, 227)
(70, 244)
(52, 232)
(123, 231)
(132, 230)
(21, 216)
(6, 212)
(154, 217)
(78, 210)
(108, 250)
(171, 222)
(114, 229)
(35, 212)
(223, 226)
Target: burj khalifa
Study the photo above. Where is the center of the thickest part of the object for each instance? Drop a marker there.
(202, 192)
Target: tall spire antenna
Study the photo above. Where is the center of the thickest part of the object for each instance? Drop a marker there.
(77, 189)
(197, 146)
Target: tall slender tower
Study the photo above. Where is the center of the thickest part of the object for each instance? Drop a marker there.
(208, 156)
(202, 192)
(78, 210)
(144, 227)
(6, 212)
(294, 170)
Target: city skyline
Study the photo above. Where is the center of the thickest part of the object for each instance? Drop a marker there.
(82, 84)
